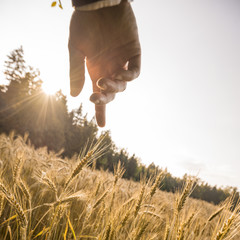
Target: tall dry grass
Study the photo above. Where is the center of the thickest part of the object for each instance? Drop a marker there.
(43, 196)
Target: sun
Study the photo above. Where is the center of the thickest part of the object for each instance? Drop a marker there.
(50, 87)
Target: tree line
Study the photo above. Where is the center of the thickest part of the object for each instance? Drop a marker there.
(24, 107)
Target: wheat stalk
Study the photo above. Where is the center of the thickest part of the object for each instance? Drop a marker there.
(151, 214)
(108, 231)
(55, 219)
(50, 184)
(76, 196)
(97, 188)
(112, 200)
(185, 194)
(100, 219)
(94, 153)
(226, 227)
(139, 202)
(17, 169)
(215, 214)
(79, 167)
(118, 173)
(124, 220)
(1, 204)
(167, 231)
(156, 184)
(99, 200)
(184, 225)
(25, 190)
(141, 231)
(11, 199)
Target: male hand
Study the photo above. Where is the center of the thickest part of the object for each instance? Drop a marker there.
(108, 39)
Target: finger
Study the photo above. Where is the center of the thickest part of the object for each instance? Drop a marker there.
(77, 70)
(99, 98)
(133, 71)
(100, 101)
(108, 85)
(100, 112)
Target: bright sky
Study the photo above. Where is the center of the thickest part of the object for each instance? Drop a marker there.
(183, 111)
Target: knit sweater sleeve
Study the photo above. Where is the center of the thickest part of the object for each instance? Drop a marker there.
(88, 5)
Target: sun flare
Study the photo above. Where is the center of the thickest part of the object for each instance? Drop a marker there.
(50, 88)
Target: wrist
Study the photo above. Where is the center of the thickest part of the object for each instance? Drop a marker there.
(81, 3)
(88, 5)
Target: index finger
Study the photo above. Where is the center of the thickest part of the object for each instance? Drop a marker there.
(100, 112)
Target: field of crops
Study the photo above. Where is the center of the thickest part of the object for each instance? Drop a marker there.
(45, 197)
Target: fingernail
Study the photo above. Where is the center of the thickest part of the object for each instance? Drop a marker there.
(95, 101)
(74, 92)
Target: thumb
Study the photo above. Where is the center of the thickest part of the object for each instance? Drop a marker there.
(77, 70)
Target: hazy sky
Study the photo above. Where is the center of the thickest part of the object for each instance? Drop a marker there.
(183, 111)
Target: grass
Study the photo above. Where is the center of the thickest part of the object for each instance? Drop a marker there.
(43, 196)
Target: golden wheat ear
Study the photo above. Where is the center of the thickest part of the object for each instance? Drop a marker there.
(189, 186)
(95, 151)
(157, 183)
(20, 213)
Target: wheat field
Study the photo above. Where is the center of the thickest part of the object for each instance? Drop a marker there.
(43, 196)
